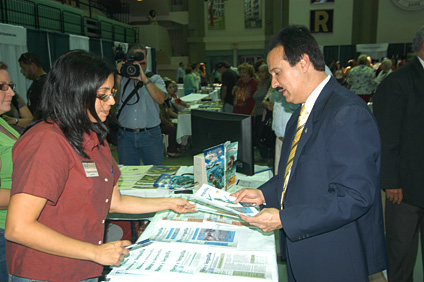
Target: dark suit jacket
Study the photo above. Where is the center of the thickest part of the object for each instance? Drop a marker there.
(332, 217)
(399, 110)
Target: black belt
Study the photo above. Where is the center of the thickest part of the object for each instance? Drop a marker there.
(138, 130)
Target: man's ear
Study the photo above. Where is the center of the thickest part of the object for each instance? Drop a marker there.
(304, 62)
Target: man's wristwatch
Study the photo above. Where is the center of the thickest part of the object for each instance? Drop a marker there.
(16, 121)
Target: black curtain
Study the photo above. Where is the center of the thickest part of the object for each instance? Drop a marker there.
(37, 43)
(331, 53)
(108, 51)
(59, 45)
(399, 50)
(94, 45)
(348, 52)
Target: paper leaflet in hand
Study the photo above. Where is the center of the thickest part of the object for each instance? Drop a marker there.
(223, 200)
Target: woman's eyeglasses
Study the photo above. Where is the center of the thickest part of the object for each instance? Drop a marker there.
(5, 86)
(106, 97)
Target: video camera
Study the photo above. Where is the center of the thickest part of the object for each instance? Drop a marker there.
(129, 69)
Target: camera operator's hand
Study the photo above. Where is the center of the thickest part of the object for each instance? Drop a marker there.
(157, 94)
(142, 77)
(118, 78)
(119, 67)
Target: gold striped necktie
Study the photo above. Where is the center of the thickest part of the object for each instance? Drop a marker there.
(299, 129)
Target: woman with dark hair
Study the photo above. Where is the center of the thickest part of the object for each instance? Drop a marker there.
(65, 180)
(204, 80)
(152, 17)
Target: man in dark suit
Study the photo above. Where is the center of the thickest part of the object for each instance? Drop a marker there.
(325, 201)
(399, 110)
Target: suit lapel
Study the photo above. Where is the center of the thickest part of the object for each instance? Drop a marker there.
(314, 116)
(288, 139)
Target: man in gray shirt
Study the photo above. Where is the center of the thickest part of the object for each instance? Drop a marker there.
(139, 135)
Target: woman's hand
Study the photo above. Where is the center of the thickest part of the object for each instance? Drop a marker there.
(181, 205)
(111, 253)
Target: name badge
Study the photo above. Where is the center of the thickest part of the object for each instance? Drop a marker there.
(90, 168)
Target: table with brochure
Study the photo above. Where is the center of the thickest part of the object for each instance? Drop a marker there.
(206, 246)
(139, 181)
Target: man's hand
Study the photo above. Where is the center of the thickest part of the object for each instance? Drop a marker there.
(395, 196)
(268, 220)
(118, 76)
(249, 196)
(142, 77)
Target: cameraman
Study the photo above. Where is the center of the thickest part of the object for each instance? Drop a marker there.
(139, 135)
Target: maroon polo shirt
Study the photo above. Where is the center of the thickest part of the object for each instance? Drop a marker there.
(243, 96)
(45, 165)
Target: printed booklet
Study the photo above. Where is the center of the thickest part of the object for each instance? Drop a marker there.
(220, 165)
(174, 181)
(223, 200)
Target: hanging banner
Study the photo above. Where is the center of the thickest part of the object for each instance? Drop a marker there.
(13, 35)
(216, 15)
(79, 42)
(252, 14)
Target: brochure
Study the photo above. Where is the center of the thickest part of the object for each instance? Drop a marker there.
(212, 215)
(162, 169)
(196, 235)
(143, 177)
(163, 262)
(220, 199)
(174, 181)
(220, 165)
(130, 175)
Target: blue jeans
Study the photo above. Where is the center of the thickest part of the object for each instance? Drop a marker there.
(146, 145)
(13, 278)
(3, 267)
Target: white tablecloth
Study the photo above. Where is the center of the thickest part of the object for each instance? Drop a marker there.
(183, 127)
(250, 242)
(193, 97)
(180, 91)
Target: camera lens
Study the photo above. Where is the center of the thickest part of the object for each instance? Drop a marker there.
(131, 70)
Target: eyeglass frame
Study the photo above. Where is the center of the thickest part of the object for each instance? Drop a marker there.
(106, 97)
(8, 85)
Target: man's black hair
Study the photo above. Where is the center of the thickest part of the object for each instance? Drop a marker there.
(297, 41)
(30, 58)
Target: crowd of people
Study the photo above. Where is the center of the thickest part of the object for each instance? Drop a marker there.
(332, 153)
(364, 74)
